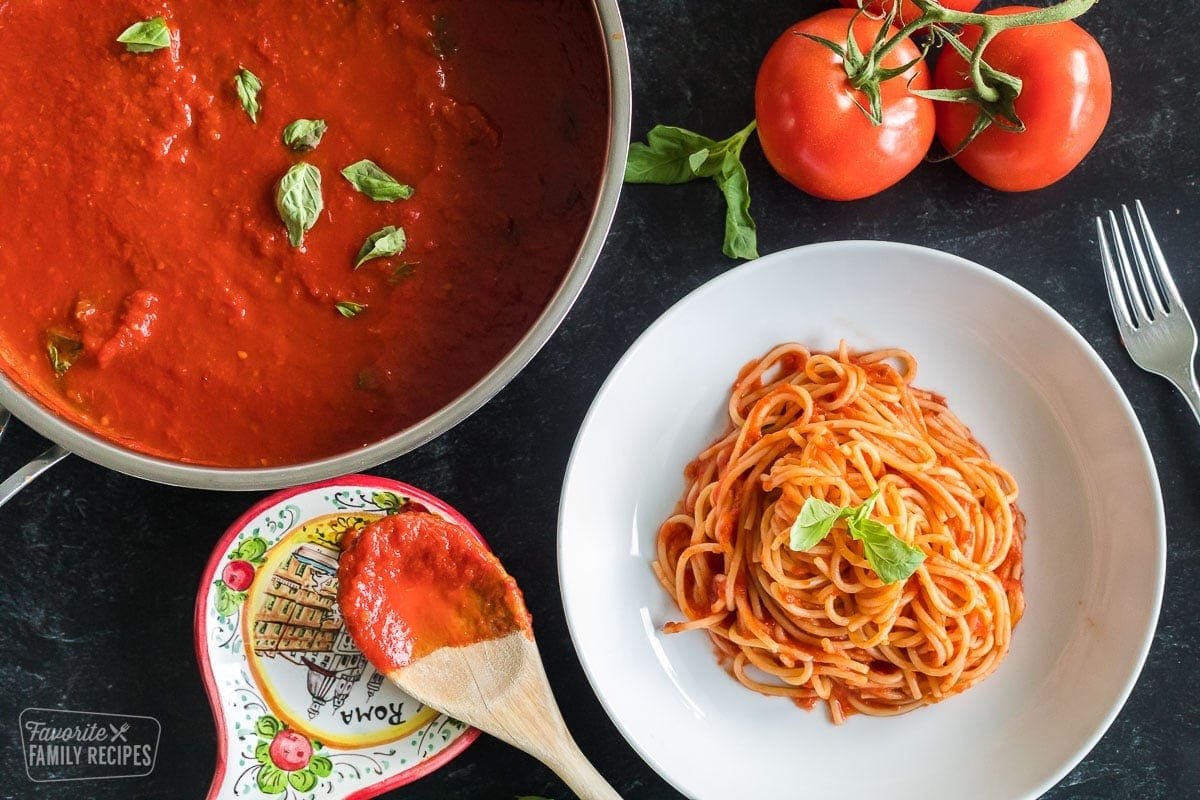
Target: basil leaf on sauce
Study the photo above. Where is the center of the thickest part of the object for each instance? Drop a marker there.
(401, 272)
(248, 86)
(63, 351)
(304, 134)
(298, 199)
(349, 310)
(384, 243)
(146, 36)
(367, 177)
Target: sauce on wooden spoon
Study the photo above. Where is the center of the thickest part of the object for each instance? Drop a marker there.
(413, 583)
(432, 608)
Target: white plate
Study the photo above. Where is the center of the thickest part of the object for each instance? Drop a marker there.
(1029, 387)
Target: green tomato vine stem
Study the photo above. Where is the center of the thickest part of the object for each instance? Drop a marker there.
(933, 13)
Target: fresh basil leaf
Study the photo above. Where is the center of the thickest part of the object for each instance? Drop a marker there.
(349, 310)
(676, 155)
(384, 243)
(146, 36)
(813, 523)
(367, 177)
(298, 199)
(864, 509)
(248, 86)
(63, 351)
(304, 134)
(741, 234)
(892, 559)
(671, 155)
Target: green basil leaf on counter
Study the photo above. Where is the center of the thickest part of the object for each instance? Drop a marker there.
(298, 199)
(248, 86)
(367, 177)
(146, 36)
(673, 155)
(63, 351)
(384, 243)
(349, 310)
(741, 234)
(304, 134)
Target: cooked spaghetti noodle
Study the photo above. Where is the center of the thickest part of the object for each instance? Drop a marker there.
(820, 624)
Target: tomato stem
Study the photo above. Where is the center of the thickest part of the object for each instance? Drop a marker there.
(933, 13)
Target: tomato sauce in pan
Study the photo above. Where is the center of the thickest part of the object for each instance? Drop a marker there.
(150, 292)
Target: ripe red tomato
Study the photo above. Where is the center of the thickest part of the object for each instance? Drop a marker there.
(809, 121)
(908, 11)
(1065, 98)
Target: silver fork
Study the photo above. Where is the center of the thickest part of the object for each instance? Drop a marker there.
(1154, 324)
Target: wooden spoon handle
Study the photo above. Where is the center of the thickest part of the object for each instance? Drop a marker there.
(570, 764)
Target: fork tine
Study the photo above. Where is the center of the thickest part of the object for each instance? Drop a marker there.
(1138, 307)
(1146, 279)
(1173, 299)
(1113, 280)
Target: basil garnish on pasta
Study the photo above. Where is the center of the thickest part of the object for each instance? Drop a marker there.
(892, 559)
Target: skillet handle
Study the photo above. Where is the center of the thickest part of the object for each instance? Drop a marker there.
(25, 475)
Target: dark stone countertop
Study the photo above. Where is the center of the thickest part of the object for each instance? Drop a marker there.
(98, 584)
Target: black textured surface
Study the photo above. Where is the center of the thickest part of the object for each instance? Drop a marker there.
(100, 570)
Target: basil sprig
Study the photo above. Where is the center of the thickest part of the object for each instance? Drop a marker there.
(348, 309)
(146, 36)
(383, 243)
(304, 134)
(248, 86)
(298, 199)
(367, 177)
(892, 559)
(675, 155)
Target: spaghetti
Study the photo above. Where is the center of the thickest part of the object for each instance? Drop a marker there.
(821, 624)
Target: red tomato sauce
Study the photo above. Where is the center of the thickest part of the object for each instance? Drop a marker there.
(139, 234)
(413, 583)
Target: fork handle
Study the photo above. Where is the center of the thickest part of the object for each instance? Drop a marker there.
(1186, 384)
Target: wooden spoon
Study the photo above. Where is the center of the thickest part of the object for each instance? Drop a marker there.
(434, 610)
